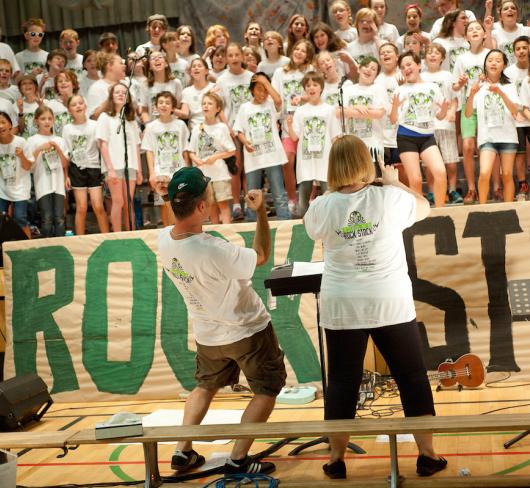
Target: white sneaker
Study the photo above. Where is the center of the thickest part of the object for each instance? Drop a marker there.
(293, 209)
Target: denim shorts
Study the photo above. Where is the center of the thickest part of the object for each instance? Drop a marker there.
(500, 147)
(20, 211)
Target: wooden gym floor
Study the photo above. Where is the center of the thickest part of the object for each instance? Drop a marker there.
(479, 454)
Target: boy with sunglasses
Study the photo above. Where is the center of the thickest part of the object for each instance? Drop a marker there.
(32, 60)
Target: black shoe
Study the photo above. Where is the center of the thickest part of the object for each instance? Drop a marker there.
(186, 461)
(336, 470)
(247, 465)
(426, 466)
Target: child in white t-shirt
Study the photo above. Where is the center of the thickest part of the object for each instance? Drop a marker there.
(445, 129)
(69, 42)
(496, 102)
(55, 63)
(192, 95)
(32, 60)
(84, 170)
(256, 127)
(48, 155)
(210, 145)
(274, 55)
(164, 142)
(341, 12)
(27, 104)
(7, 90)
(314, 126)
(15, 180)
(178, 65)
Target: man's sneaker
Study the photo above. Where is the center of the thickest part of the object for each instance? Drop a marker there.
(185, 461)
(237, 214)
(247, 465)
(336, 470)
(455, 197)
(426, 466)
(430, 198)
(471, 197)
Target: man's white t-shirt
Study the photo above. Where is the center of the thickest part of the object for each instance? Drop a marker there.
(316, 127)
(495, 123)
(207, 140)
(214, 278)
(234, 89)
(365, 283)
(167, 142)
(82, 144)
(15, 181)
(259, 124)
(193, 99)
(47, 170)
(419, 108)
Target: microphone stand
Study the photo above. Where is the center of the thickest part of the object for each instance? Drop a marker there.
(341, 105)
(130, 210)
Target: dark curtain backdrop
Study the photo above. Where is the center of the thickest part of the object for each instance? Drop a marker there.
(126, 18)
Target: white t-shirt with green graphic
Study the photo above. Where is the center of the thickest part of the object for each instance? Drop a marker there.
(259, 124)
(388, 83)
(29, 60)
(369, 130)
(330, 93)
(517, 77)
(149, 93)
(167, 142)
(444, 80)
(234, 90)
(365, 283)
(525, 93)
(495, 123)
(11, 110)
(505, 39)
(11, 93)
(207, 140)
(360, 50)
(472, 65)
(47, 169)
(30, 128)
(419, 107)
(214, 278)
(288, 84)
(15, 181)
(75, 64)
(47, 90)
(61, 115)
(316, 127)
(82, 144)
(454, 47)
(179, 70)
(193, 99)
(400, 43)
(270, 68)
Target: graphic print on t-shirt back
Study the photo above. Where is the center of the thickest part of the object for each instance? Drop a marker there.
(356, 226)
(238, 96)
(167, 151)
(419, 109)
(362, 128)
(178, 272)
(314, 137)
(8, 168)
(494, 110)
(260, 127)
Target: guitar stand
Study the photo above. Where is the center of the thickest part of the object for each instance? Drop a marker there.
(439, 387)
(517, 438)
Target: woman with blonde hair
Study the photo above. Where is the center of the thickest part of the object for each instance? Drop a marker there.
(366, 290)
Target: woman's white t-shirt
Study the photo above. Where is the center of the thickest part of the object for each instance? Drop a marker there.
(259, 124)
(167, 141)
(47, 169)
(106, 130)
(207, 140)
(193, 99)
(365, 283)
(316, 127)
(495, 123)
(82, 144)
(15, 181)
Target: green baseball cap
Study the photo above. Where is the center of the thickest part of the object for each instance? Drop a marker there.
(189, 179)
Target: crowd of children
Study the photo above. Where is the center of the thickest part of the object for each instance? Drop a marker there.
(264, 112)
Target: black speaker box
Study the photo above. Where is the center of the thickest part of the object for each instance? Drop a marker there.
(9, 231)
(22, 399)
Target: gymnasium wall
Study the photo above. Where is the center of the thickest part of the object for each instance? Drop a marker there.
(96, 317)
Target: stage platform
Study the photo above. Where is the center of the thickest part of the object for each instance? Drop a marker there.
(475, 454)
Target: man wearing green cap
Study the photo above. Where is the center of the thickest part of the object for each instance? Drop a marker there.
(231, 326)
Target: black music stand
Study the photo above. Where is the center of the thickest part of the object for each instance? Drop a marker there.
(280, 283)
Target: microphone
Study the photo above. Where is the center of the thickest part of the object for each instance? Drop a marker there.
(342, 81)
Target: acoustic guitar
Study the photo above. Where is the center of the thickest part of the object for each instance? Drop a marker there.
(467, 370)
